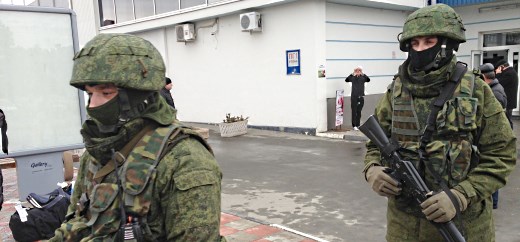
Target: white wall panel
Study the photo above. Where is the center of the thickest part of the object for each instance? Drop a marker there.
(361, 36)
(157, 38)
(244, 74)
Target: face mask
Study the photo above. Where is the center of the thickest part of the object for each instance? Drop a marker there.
(420, 59)
(106, 114)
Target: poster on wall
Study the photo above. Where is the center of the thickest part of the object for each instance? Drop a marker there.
(292, 58)
(321, 71)
(339, 107)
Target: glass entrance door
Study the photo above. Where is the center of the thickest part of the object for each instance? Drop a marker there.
(511, 55)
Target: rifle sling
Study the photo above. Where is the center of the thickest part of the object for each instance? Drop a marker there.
(446, 93)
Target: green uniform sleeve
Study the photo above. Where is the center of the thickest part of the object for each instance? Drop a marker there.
(79, 185)
(497, 147)
(383, 114)
(79, 188)
(188, 195)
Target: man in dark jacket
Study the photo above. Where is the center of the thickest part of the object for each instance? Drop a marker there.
(508, 78)
(358, 79)
(488, 75)
(5, 142)
(3, 126)
(165, 92)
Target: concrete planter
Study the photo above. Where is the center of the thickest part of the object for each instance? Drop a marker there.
(233, 129)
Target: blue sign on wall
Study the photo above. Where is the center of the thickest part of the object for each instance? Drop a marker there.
(293, 63)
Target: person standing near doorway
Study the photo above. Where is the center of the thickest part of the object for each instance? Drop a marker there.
(488, 74)
(358, 79)
(508, 78)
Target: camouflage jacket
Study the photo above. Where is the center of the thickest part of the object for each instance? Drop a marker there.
(459, 123)
(182, 198)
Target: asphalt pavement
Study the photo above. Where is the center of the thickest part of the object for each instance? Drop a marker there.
(289, 187)
(315, 185)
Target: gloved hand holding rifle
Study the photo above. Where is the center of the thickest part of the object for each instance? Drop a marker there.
(402, 178)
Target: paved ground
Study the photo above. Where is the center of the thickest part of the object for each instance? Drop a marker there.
(287, 187)
(314, 185)
(234, 228)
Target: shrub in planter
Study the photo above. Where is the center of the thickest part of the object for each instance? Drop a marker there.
(233, 126)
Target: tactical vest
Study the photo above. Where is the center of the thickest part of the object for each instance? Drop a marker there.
(452, 143)
(103, 218)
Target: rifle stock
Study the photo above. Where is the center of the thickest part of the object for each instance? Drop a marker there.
(406, 174)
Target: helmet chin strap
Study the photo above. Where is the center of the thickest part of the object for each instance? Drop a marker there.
(127, 112)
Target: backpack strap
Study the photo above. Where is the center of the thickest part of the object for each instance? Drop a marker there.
(185, 132)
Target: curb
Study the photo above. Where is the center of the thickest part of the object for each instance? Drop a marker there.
(354, 137)
(265, 231)
(348, 135)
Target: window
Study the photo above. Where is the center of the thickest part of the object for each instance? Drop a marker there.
(143, 8)
(118, 11)
(163, 6)
(191, 3)
(32, 3)
(107, 14)
(501, 39)
(46, 3)
(124, 10)
(61, 3)
(513, 38)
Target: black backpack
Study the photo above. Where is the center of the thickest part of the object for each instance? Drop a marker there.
(47, 215)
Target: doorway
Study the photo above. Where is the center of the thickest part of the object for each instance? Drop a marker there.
(493, 55)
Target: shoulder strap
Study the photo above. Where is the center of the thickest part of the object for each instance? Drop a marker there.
(436, 106)
(184, 132)
(446, 93)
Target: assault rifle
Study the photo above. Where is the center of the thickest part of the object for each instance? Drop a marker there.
(404, 172)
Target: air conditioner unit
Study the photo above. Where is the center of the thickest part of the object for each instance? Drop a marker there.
(251, 21)
(185, 32)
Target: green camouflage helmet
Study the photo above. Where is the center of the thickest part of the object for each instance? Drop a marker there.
(126, 60)
(438, 19)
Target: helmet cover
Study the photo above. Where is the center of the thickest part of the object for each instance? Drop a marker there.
(125, 60)
(438, 20)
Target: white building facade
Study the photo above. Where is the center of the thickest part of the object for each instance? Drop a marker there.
(224, 69)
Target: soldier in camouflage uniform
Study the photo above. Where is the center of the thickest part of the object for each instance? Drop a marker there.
(144, 176)
(472, 147)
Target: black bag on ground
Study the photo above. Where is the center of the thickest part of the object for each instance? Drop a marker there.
(47, 215)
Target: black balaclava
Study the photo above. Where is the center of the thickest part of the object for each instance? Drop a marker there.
(112, 125)
(433, 58)
(111, 115)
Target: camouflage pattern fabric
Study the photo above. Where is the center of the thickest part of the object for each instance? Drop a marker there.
(180, 198)
(438, 19)
(468, 112)
(125, 60)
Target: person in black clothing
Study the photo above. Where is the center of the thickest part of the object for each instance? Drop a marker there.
(358, 79)
(508, 78)
(165, 92)
(488, 74)
(3, 126)
(5, 142)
